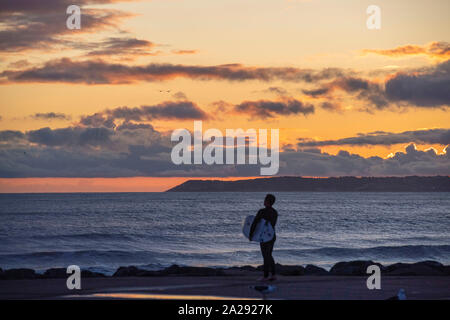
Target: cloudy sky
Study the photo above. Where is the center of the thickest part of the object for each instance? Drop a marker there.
(93, 109)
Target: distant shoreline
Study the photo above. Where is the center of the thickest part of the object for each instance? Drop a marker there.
(288, 184)
(339, 184)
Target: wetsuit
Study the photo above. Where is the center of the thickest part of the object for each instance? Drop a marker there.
(271, 215)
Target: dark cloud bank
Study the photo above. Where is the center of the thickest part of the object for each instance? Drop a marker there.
(137, 149)
(431, 136)
(100, 72)
(30, 24)
(269, 109)
(427, 88)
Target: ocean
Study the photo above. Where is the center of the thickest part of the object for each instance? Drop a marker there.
(102, 231)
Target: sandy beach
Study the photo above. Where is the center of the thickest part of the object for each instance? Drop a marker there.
(230, 287)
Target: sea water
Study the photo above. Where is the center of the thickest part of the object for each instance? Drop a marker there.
(102, 231)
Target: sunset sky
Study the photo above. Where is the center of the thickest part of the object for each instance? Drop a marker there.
(93, 109)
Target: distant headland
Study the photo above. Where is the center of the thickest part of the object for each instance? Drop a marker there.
(338, 184)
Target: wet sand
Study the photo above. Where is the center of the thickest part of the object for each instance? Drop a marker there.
(211, 287)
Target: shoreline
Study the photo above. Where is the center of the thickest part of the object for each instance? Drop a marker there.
(344, 281)
(343, 268)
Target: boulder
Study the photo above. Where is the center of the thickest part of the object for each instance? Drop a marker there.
(61, 273)
(191, 271)
(289, 270)
(131, 271)
(447, 270)
(243, 268)
(352, 268)
(423, 268)
(55, 273)
(314, 270)
(173, 270)
(18, 274)
(91, 274)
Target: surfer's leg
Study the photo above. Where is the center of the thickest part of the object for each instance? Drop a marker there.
(265, 250)
(271, 259)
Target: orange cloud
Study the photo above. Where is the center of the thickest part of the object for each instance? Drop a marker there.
(182, 52)
(66, 70)
(125, 48)
(435, 50)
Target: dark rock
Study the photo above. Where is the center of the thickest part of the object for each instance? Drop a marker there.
(286, 270)
(431, 263)
(396, 266)
(447, 270)
(91, 274)
(55, 273)
(352, 268)
(289, 270)
(243, 268)
(314, 270)
(191, 271)
(423, 268)
(17, 274)
(131, 271)
(61, 273)
(173, 270)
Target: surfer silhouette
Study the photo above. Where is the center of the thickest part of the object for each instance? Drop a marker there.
(269, 214)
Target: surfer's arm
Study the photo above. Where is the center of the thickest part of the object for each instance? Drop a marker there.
(255, 223)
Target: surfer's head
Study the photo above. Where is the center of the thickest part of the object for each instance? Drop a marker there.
(269, 200)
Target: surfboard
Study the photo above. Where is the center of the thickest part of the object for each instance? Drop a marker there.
(263, 232)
